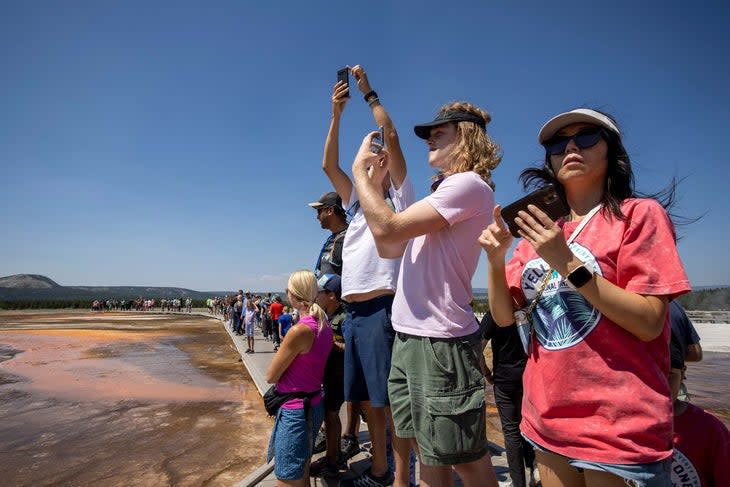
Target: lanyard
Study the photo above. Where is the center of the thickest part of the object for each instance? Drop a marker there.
(549, 274)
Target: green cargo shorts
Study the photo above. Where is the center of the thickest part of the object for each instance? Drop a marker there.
(436, 391)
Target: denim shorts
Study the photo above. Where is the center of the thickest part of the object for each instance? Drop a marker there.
(654, 474)
(369, 336)
(437, 397)
(291, 442)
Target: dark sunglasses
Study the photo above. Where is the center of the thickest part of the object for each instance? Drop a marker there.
(583, 139)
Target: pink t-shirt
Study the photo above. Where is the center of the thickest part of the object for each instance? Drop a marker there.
(434, 285)
(305, 373)
(701, 450)
(593, 391)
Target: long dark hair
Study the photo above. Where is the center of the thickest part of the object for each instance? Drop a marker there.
(619, 182)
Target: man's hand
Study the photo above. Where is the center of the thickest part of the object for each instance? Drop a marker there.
(362, 79)
(339, 98)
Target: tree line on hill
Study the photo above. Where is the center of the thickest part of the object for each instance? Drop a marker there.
(65, 304)
(701, 300)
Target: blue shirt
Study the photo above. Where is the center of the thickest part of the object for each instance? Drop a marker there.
(285, 322)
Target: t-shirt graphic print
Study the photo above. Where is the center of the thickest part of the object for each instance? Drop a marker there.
(562, 317)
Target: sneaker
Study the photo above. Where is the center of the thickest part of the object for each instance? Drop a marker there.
(320, 444)
(366, 479)
(349, 447)
(322, 468)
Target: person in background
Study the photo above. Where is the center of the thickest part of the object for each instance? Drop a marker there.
(595, 287)
(701, 456)
(436, 387)
(284, 322)
(329, 466)
(331, 217)
(686, 338)
(508, 365)
(276, 309)
(238, 309)
(266, 318)
(248, 322)
(298, 366)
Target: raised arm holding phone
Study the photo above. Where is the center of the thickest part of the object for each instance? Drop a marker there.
(368, 286)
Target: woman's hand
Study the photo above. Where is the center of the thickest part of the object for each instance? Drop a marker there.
(545, 237)
(496, 238)
(362, 79)
(339, 98)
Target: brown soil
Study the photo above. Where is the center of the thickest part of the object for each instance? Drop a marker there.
(125, 399)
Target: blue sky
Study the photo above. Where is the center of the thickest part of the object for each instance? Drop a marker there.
(178, 143)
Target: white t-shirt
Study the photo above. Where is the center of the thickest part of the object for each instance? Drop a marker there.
(363, 270)
(434, 287)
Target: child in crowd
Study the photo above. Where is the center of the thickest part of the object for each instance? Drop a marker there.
(285, 322)
(249, 318)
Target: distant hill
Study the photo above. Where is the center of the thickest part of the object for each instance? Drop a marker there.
(27, 281)
(707, 299)
(32, 287)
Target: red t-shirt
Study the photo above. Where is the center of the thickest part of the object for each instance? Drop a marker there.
(594, 391)
(701, 450)
(276, 309)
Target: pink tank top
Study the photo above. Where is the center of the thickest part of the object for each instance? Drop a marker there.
(305, 373)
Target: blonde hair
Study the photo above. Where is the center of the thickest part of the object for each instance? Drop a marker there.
(302, 285)
(475, 150)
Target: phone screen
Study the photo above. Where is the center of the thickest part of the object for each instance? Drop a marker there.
(344, 75)
(378, 142)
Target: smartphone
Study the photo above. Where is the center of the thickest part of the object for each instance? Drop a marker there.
(546, 198)
(378, 141)
(344, 75)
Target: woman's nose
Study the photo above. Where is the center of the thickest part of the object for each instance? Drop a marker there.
(572, 146)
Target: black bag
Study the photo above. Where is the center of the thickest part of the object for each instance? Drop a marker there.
(273, 399)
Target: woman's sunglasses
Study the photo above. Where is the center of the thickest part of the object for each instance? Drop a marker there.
(583, 139)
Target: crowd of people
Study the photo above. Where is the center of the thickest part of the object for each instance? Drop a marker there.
(579, 317)
(142, 304)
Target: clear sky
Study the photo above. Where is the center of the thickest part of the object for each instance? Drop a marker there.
(178, 143)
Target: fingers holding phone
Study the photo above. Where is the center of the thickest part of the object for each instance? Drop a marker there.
(339, 97)
(546, 199)
(343, 75)
(365, 157)
(377, 143)
(358, 72)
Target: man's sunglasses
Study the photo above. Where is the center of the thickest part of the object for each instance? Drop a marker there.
(583, 139)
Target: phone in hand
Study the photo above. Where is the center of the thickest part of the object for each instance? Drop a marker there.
(378, 141)
(545, 198)
(344, 75)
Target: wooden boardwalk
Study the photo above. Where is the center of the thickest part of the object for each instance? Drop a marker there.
(256, 365)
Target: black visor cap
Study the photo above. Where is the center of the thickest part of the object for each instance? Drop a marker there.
(424, 130)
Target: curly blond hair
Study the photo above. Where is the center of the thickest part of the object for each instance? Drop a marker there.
(475, 150)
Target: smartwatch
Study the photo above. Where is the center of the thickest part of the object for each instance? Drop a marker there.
(580, 276)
